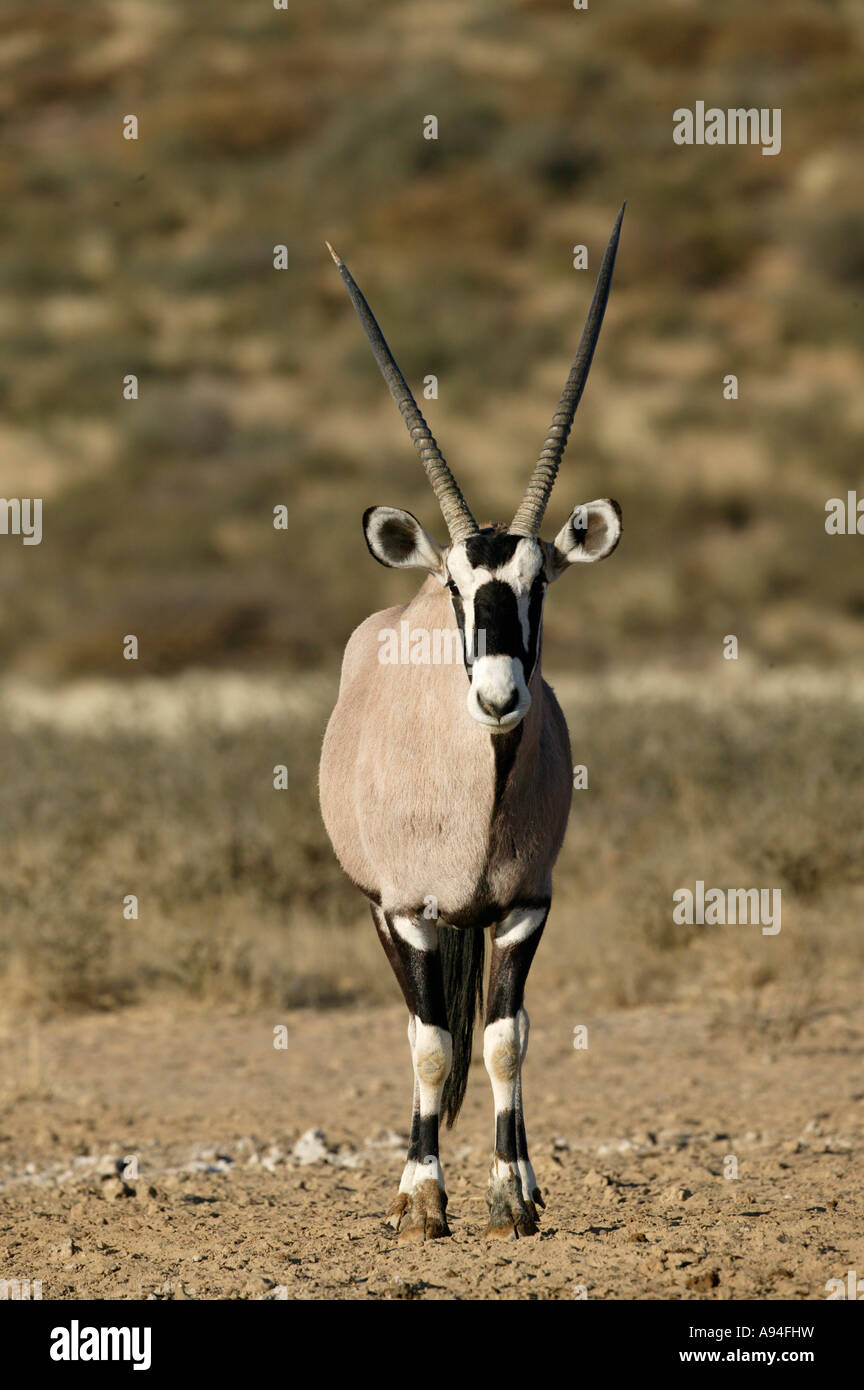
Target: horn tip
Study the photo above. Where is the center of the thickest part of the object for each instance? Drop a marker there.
(337, 259)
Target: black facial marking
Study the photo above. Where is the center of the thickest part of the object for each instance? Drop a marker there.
(497, 615)
(459, 611)
(496, 610)
(491, 549)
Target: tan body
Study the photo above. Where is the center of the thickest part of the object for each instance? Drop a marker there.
(445, 785)
(408, 781)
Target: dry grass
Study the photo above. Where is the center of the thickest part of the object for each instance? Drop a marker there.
(242, 903)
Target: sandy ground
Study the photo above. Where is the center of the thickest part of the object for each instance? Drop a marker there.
(628, 1137)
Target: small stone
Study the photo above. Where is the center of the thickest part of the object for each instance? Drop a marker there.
(645, 1138)
(65, 1249)
(275, 1155)
(311, 1147)
(113, 1188)
(708, 1279)
(673, 1195)
(595, 1179)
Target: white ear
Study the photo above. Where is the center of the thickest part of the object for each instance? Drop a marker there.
(591, 533)
(397, 539)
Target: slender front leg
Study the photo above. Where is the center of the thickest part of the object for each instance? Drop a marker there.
(411, 944)
(513, 1189)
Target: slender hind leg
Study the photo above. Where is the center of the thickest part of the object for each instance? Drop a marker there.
(513, 1193)
(530, 1191)
(411, 944)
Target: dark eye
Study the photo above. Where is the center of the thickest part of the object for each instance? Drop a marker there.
(452, 587)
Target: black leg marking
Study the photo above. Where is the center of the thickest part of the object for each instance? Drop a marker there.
(512, 1187)
(411, 946)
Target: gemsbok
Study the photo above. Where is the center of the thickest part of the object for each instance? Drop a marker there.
(445, 786)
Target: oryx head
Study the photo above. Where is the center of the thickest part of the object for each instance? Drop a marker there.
(497, 576)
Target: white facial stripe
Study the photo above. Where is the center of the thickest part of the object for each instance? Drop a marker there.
(468, 622)
(524, 567)
(520, 573)
(463, 572)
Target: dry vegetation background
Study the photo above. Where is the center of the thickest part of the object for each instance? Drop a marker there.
(259, 127)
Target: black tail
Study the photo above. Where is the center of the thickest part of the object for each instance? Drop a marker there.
(462, 952)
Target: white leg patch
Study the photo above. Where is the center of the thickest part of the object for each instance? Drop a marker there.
(500, 1170)
(433, 1058)
(502, 1059)
(527, 1178)
(523, 1028)
(519, 924)
(428, 1170)
(423, 936)
(406, 1182)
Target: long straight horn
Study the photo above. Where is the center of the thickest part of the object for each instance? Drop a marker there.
(529, 518)
(460, 522)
